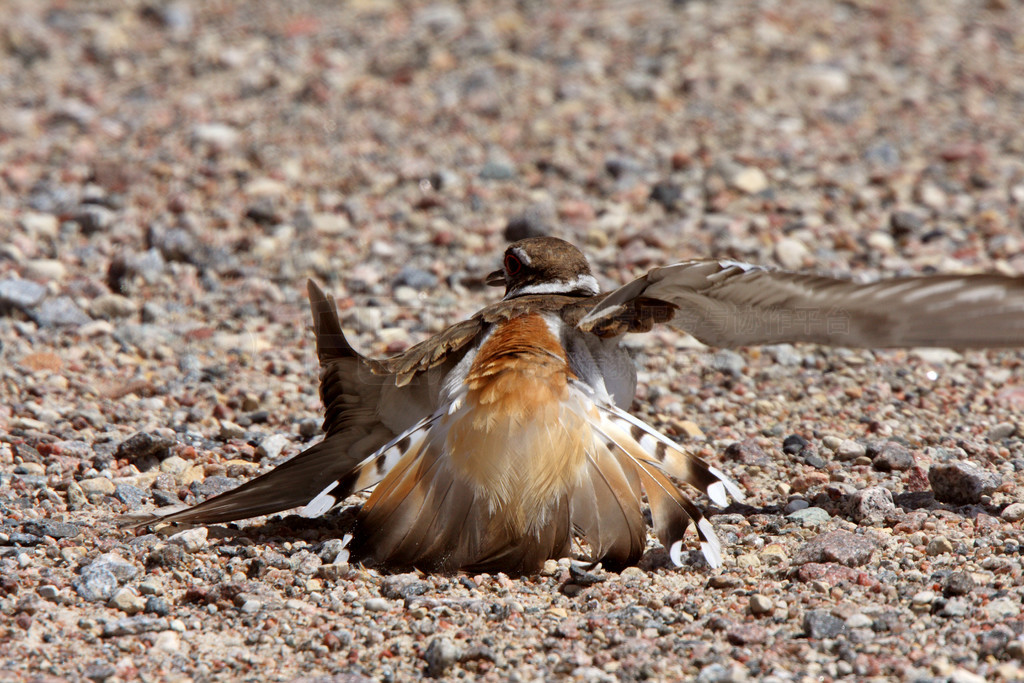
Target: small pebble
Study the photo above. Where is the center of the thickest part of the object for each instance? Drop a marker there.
(308, 427)
(126, 600)
(133, 626)
(1002, 609)
(219, 136)
(759, 604)
(796, 504)
(750, 180)
(271, 446)
(809, 516)
(869, 503)
(957, 583)
(251, 606)
(1014, 512)
(793, 444)
(174, 465)
(48, 592)
(955, 608)
(167, 642)
(141, 444)
(850, 450)
(190, 540)
(377, 605)
(1003, 430)
(728, 362)
(666, 193)
(112, 307)
(791, 254)
(96, 585)
(922, 600)
(44, 270)
(859, 620)
(939, 545)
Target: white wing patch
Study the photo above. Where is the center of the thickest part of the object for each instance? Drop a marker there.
(323, 502)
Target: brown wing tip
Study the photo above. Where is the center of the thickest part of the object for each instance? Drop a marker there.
(331, 342)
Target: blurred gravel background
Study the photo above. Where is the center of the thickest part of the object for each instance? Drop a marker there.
(171, 173)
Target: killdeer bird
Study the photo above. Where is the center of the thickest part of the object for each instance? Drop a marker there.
(503, 440)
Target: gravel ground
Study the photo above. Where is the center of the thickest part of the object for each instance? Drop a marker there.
(171, 173)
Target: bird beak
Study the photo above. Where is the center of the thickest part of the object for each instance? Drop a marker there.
(496, 279)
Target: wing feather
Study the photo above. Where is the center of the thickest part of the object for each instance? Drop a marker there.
(725, 303)
(668, 456)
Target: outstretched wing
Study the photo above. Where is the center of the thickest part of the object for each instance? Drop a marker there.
(725, 303)
(365, 405)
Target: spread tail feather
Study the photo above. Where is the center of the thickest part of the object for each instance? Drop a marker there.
(652, 458)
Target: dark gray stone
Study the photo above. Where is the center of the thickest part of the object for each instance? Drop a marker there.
(417, 278)
(132, 626)
(667, 193)
(440, 655)
(53, 529)
(132, 496)
(957, 583)
(22, 539)
(890, 457)
(962, 483)
(119, 568)
(619, 167)
(212, 486)
(142, 444)
(309, 427)
(96, 585)
(21, 294)
(59, 312)
(157, 605)
(404, 586)
(175, 244)
(840, 546)
(905, 223)
(793, 444)
(99, 671)
(820, 624)
(92, 218)
(162, 497)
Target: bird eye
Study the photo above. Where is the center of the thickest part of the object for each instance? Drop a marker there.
(512, 264)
